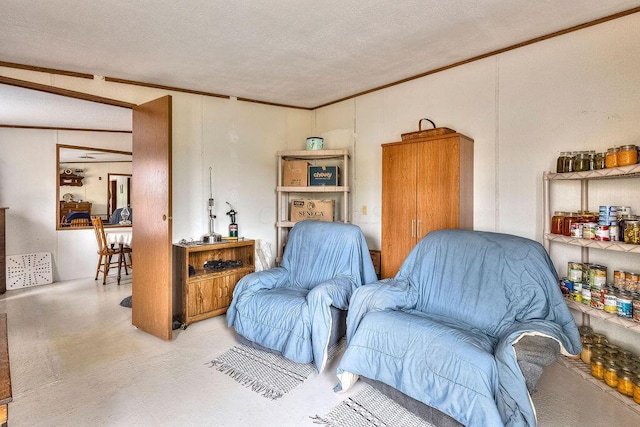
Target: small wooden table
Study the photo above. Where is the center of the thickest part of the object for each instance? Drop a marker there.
(5, 372)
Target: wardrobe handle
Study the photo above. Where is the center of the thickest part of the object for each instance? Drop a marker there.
(413, 228)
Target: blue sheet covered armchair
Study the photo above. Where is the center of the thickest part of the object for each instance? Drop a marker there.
(295, 309)
(444, 330)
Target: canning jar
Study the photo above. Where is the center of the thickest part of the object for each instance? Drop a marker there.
(632, 231)
(569, 218)
(600, 161)
(600, 339)
(597, 369)
(618, 278)
(611, 158)
(582, 162)
(569, 161)
(557, 222)
(611, 375)
(627, 155)
(585, 356)
(636, 389)
(586, 216)
(625, 383)
(560, 162)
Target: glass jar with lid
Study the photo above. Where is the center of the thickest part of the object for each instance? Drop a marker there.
(582, 162)
(569, 218)
(632, 231)
(600, 339)
(557, 222)
(611, 158)
(627, 155)
(625, 382)
(585, 356)
(636, 389)
(569, 161)
(597, 368)
(611, 375)
(600, 161)
(560, 162)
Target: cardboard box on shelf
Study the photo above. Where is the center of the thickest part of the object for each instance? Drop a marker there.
(295, 173)
(324, 175)
(319, 210)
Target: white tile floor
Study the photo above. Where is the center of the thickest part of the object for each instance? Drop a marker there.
(76, 360)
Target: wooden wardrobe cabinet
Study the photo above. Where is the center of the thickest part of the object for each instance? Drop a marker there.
(427, 184)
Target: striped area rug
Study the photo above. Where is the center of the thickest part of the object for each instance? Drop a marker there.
(370, 408)
(266, 373)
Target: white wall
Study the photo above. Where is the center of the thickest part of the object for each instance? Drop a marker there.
(238, 140)
(580, 91)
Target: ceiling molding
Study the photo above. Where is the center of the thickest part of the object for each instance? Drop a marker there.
(62, 128)
(45, 70)
(65, 92)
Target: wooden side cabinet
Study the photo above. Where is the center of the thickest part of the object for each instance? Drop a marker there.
(207, 292)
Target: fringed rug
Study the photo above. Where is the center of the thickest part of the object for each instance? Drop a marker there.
(266, 373)
(370, 408)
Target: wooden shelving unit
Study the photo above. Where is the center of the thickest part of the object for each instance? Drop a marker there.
(208, 293)
(286, 193)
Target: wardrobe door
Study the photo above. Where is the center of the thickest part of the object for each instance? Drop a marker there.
(438, 188)
(398, 205)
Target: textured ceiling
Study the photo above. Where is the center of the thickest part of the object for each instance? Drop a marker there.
(302, 53)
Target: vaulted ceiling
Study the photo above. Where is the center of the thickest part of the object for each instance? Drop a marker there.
(303, 53)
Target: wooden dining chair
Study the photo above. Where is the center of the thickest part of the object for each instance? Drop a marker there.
(106, 252)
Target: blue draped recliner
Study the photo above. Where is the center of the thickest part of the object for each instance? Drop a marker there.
(445, 329)
(298, 309)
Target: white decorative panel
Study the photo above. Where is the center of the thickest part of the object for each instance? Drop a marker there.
(29, 270)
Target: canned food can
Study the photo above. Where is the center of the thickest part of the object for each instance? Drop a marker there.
(567, 283)
(636, 306)
(624, 210)
(574, 271)
(608, 208)
(576, 294)
(589, 230)
(586, 295)
(576, 230)
(610, 303)
(597, 298)
(625, 305)
(602, 232)
(597, 275)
